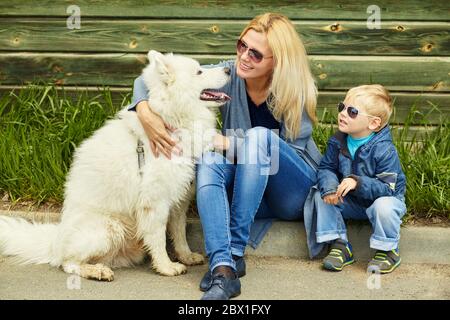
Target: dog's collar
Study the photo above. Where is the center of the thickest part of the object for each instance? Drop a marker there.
(141, 155)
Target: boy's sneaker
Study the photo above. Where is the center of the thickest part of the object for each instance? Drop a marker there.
(340, 255)
(384, 261)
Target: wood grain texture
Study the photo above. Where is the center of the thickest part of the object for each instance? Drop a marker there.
(331, 72)
(301, 9)
(410, 54)
(219, 37)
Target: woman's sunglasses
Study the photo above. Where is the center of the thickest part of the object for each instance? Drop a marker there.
(351, 111)
(254, 55)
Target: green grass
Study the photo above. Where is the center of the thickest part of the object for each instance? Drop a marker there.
(426, 163)
(40, 127)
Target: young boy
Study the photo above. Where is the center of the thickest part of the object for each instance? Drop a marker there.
(360, 177)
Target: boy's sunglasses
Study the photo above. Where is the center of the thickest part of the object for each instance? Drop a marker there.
(254, 55)
(352, 111)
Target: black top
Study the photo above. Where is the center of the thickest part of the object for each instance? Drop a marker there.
(260, 115)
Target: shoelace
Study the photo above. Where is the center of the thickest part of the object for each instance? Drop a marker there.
(382, 257)
(336, 252)
(217, 280)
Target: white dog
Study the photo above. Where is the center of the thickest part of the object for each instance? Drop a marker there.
(119, 198)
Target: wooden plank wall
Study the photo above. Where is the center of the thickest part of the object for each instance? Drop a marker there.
(410, 54)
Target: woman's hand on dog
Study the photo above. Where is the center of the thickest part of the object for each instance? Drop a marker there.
(221, 142)
(157, 131)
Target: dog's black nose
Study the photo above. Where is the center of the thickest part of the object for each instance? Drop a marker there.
(227, 71)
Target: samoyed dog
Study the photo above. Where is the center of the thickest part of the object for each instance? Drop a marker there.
(119, 198)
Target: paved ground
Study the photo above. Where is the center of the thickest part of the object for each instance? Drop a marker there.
(267, 278)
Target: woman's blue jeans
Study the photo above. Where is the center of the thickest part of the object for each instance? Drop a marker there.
(269, 180)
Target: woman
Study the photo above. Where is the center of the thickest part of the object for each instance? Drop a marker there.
(256, 173)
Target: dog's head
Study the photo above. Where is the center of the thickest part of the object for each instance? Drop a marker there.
(184, 78)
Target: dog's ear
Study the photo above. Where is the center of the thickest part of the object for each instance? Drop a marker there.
(162, 65)
(153, 55)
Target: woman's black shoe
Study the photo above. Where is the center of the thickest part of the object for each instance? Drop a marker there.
(222, 288)
(240, 271)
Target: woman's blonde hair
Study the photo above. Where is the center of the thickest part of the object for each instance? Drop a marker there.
(292, 87)
(374, 99)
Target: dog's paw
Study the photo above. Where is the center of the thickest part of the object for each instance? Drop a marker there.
(98, 272)
(192, 259)
(172, 269)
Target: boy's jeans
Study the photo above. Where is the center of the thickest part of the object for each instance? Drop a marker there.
(384, 214)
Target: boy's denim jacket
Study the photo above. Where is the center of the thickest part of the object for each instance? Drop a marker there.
(376, 168)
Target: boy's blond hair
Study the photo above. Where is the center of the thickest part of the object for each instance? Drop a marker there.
(375, 100)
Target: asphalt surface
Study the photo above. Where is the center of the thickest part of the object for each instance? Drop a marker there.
(268, 278)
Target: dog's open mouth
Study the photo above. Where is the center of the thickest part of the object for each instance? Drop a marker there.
(214, 95)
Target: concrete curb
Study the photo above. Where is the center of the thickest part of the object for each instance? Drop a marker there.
(288, 239)
(417, 244)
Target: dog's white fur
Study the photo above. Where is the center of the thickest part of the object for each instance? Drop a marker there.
(112, 215)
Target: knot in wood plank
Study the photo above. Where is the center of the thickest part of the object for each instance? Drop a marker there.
(214, 29)
(336, 27)
(427, 48)
(133, 44)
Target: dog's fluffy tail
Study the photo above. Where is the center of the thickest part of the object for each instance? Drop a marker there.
(28, 243)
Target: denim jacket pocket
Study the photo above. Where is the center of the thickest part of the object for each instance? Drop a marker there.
(389, 178)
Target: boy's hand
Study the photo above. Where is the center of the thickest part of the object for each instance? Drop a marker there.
(345, 187)
(332, 199)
